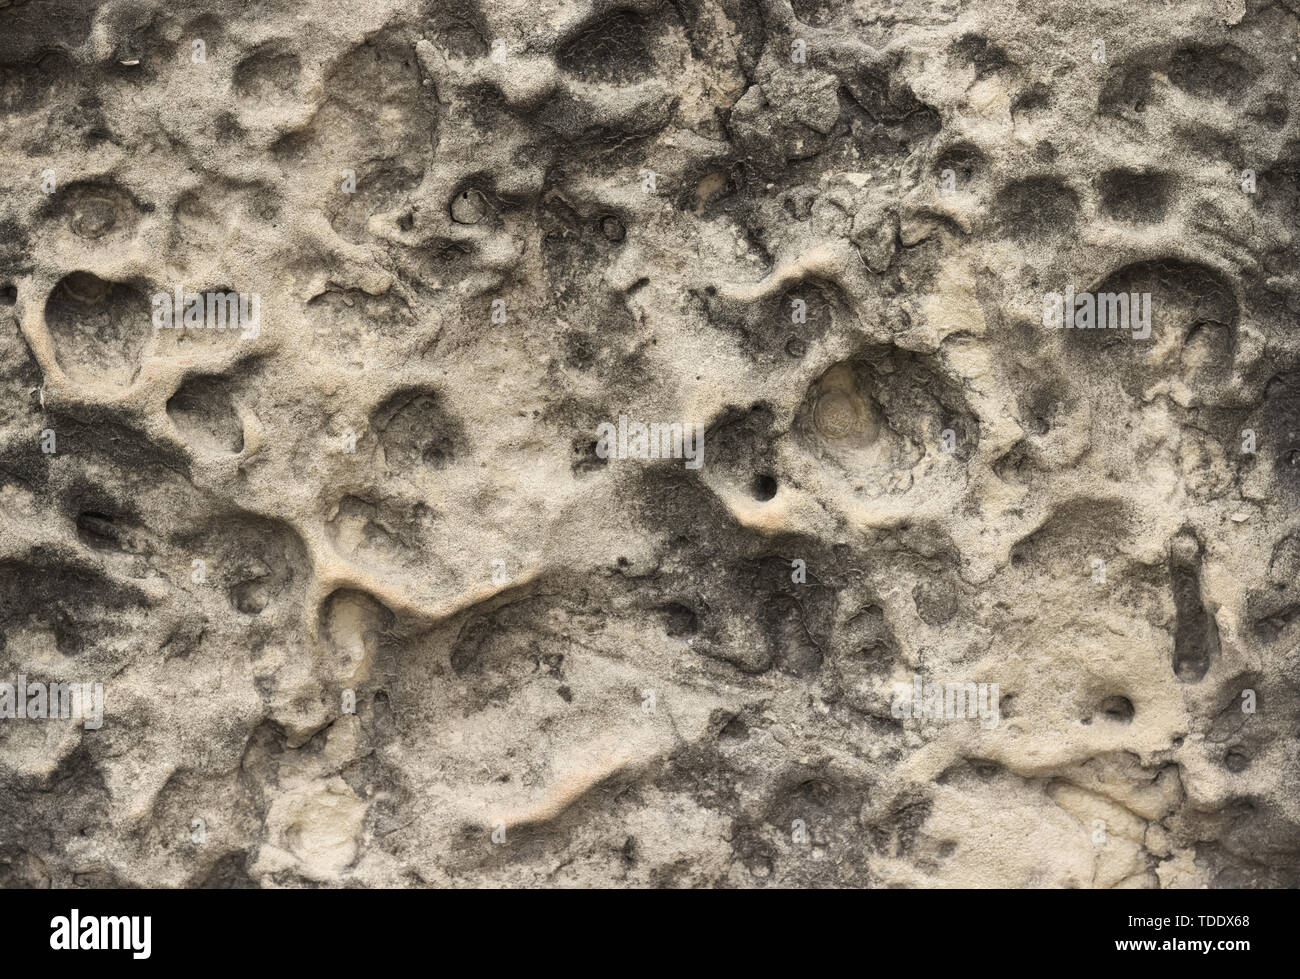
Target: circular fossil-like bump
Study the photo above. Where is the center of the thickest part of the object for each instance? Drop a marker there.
(843, 415)
(936, 602)
(95, 211)
(93, 217)
(468, 207)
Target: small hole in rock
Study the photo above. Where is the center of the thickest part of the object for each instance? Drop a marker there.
(736, 729)
(97, 530)
(763, 488)
(612, 228)
(1118, 708)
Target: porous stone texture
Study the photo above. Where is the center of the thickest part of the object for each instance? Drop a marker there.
(822, 230)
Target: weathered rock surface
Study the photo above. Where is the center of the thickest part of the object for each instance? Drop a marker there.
(369, 607)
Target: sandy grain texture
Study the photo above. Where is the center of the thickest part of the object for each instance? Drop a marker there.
(821, 230)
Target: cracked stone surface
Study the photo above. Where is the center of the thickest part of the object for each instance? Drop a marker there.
(370, 605)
